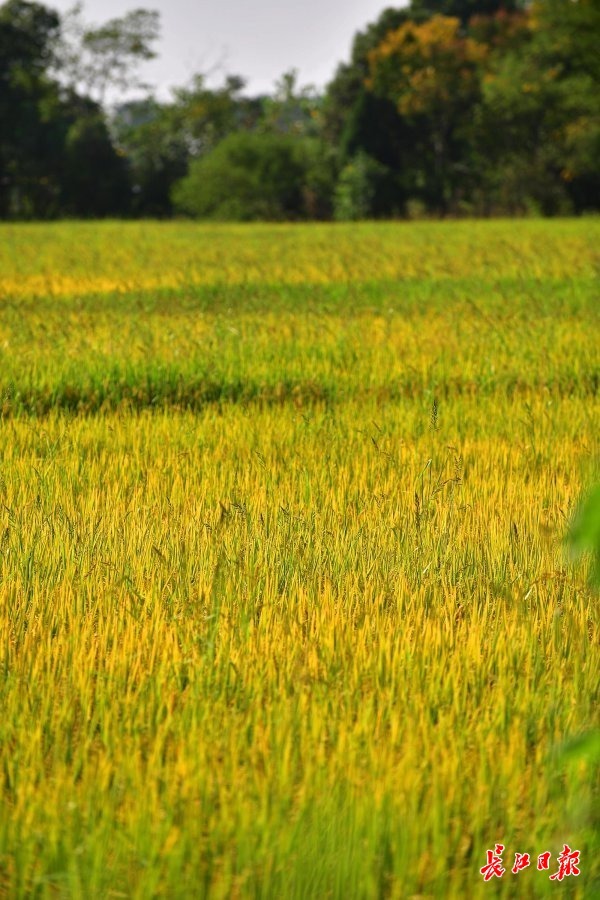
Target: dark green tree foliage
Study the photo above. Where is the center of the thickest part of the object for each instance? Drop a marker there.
(361, 125)
(431, 72)
(502, 112)
(161, 140)
(541, 115)
(27, 103)
(568, 42)
(375, 130)
(57, 156)
(249, 176)
(361, 188)
(348, 86)
(88, 151)
(155, 152)
(199, 117)
(28, 31)
(292, 109)
(465, 9)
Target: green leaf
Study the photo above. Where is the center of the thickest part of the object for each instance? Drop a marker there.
(584, 534)
(583, 747)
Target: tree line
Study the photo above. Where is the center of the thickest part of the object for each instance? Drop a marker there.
(445, 107)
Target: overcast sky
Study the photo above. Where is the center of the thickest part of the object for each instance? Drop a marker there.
(258, 39)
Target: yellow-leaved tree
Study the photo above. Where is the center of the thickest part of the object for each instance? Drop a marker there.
(433, 72)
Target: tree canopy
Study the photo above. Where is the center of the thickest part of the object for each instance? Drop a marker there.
(444, 107)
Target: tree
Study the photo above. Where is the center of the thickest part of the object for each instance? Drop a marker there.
(358, 124)
(28, 99)
(358, 186)
(566, 39)
(432, 73)
(201, 116)
(466, 9)
(292, 109)
(542, 110)
(95, 179)
(161, 139)
(347, 88)
(28, 32)
(156, 154)
(56, 153)
(106, 57)
(248, 176)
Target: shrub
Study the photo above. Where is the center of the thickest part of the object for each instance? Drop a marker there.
(249, 176)
(358, 187)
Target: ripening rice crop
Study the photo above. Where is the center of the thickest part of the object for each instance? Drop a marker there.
(285, 609)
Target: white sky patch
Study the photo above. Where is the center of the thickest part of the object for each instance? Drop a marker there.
(257, 39)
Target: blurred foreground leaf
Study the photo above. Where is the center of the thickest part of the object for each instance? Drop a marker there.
(584, 534)
(585, 746)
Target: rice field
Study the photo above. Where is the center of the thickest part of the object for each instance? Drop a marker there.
(285, 606)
